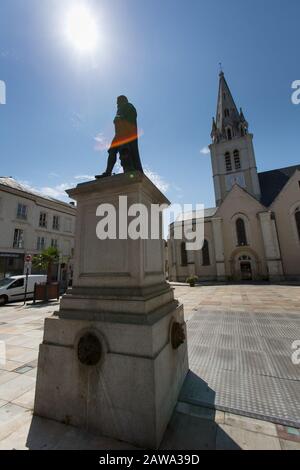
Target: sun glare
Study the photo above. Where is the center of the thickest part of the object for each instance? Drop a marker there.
(81, 29)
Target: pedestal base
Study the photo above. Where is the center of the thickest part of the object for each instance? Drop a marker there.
(114, 358)
(130, 392)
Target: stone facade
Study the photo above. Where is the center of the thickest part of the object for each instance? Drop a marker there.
(253, 233)
(23, 229)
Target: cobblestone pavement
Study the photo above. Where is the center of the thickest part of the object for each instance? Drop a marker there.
(192, 426)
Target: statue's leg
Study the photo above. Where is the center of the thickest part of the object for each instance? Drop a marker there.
(111, 161)
(136, 156)
(126, 159)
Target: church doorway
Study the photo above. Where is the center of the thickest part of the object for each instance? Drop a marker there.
(245, 268)
(246, 271)
(245, 265)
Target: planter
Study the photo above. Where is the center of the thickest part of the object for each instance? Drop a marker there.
(191, 280)
(46, 292)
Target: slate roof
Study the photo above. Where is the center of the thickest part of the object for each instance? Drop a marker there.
(225, 101)
(209, 212)
(272, 182)
(14, 184)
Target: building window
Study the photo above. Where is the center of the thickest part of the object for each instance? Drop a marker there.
(228, 162)
(22, 211)
(205, 254)
(18, 238)
(68, 225)
(229, 134)
(55, 224)
(297, 218)
(237, 160)
(226, 112)
(241, 232)
(54, 243)
(43, 220)
(41, 243)
(66, 248)
(183, 254)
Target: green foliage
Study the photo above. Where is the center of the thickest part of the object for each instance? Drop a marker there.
(191, 280)
(47, 257)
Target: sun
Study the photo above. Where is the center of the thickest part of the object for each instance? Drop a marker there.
(81, 29)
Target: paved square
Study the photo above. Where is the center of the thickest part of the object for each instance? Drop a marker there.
(240, 358)
(240, 350)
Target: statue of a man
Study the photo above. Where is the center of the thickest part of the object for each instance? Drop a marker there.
(125, 141)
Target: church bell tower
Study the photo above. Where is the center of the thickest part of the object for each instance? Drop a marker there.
(232, 153)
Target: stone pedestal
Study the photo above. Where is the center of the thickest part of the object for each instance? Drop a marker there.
(114, 358)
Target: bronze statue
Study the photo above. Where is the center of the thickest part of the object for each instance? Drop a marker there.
(125, 141)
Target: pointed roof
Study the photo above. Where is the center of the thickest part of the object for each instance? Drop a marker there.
(228, 116)
(242, 191)
(226, 102)
(272, 182)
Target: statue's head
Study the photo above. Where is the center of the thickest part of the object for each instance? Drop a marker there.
(122, 100)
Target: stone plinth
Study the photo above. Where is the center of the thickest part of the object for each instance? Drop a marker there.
(113, 358)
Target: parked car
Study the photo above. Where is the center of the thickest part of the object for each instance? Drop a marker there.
(13, 288)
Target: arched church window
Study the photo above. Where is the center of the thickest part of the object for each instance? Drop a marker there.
(242, 131)
(229, 134)
(297, 218)
(226, 112)
(237, 160)
(228, 161)
(205, 254)
(183, 254)
(241, 232)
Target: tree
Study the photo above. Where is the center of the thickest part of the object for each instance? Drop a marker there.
(45, 260)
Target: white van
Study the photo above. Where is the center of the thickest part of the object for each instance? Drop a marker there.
(13, 288)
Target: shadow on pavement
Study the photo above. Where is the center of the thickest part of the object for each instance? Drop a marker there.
(193, 425)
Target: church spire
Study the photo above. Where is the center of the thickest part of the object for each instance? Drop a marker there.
(229, 122)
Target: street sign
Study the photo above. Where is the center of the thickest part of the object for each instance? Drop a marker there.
(28, 258)
(27, 267)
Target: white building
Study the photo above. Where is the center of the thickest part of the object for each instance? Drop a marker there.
(30, 222)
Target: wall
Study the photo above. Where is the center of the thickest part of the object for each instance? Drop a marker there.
(284, 207)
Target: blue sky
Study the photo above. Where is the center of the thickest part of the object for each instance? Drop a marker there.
(164, 55)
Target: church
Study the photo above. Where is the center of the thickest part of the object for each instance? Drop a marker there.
(253, 233)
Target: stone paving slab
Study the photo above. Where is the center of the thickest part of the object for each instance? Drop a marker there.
(192, 425)
(236, 361)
